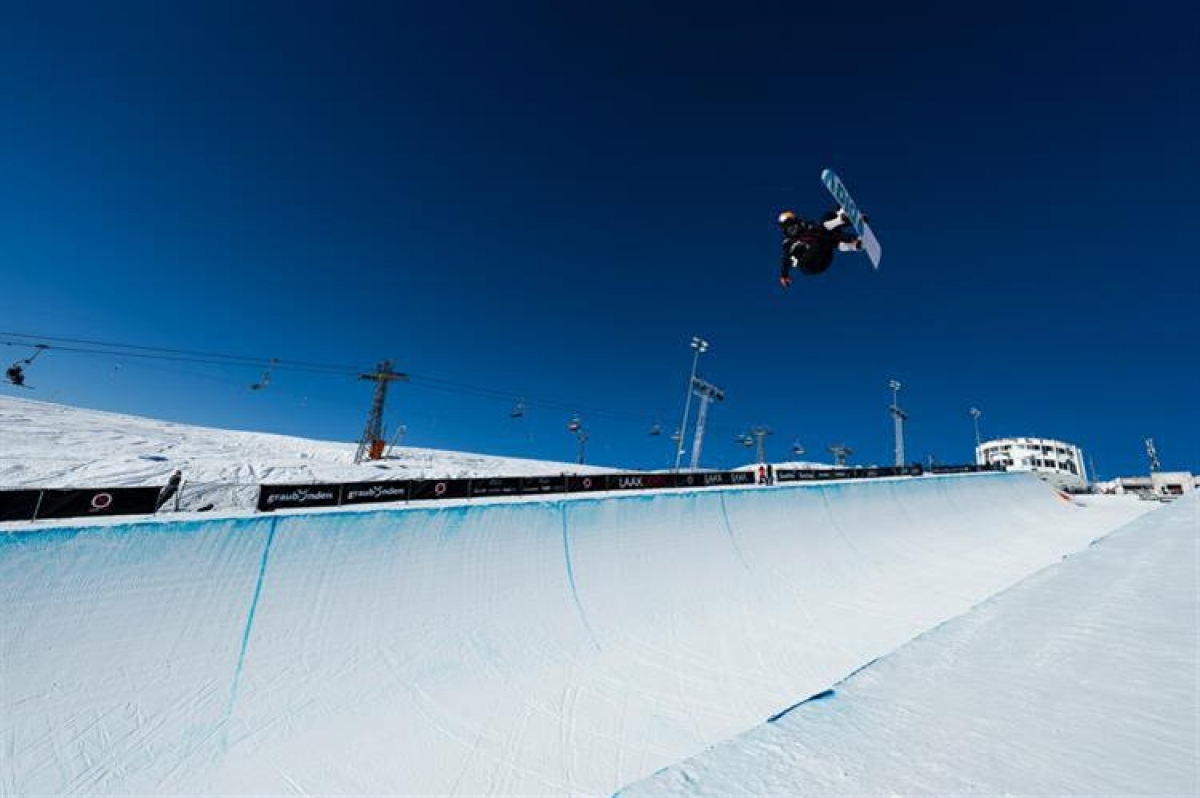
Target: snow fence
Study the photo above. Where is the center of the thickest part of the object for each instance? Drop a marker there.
(570, 645)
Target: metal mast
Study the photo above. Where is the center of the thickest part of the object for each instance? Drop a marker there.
(372, 443)
(760, 434)
(1152, 453)
(840, 452)
(708, 393)
(575, 426)
(699, 345)
(899, 416)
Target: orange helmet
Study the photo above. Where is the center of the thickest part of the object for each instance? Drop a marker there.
(787, 216)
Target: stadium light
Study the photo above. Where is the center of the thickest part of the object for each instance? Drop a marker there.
(699, 346)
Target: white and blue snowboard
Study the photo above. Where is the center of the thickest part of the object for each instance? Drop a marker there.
(869, 242)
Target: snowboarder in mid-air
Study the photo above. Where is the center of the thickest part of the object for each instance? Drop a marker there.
(809, 246)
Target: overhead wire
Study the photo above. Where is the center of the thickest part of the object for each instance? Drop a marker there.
(87, 346)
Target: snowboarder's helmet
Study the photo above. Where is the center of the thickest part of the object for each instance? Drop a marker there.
(787, 216)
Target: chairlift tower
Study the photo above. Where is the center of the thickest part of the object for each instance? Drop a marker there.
(840, 452)
(708, 393)
(898, 417)
(1152, 453)
(575, 427)
(699, 346)
(760, 434)
(372, 444)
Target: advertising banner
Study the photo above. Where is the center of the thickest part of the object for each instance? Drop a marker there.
(289, 497)
(373, 492)
(18, 505)
(77, 503)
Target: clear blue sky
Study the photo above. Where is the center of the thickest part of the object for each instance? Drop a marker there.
(550, 199)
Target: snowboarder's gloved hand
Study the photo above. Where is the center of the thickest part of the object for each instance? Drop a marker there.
(785, 281)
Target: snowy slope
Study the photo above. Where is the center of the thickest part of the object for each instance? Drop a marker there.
(565, 646)
(50, 445)
(1081, 680)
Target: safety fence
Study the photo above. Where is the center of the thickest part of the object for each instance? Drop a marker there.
(55, 503)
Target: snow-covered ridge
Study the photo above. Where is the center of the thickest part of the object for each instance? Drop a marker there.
(49, 445)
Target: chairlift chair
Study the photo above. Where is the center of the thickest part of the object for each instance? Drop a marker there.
(266, 377)
(15, 373)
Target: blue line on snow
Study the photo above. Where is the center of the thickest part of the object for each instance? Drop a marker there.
(262, 571)
(571, 579)
(729, 532)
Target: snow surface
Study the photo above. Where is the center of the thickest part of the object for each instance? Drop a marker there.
(48, 445)
(1083, 679)
(573, 645)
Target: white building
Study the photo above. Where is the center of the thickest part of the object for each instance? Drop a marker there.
(1159, 485)
(1057, 462)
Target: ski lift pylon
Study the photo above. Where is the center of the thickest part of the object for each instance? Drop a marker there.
(574, 425)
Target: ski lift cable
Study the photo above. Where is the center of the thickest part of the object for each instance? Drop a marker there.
(94, 347)
(191, 352)
(202, 360)
(432, 383)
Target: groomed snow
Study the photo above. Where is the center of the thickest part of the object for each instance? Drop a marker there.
(1083, 679)
(559, 646)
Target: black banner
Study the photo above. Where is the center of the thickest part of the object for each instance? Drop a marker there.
(275, 497)
(810, 474)
(495, 486)
(962, 469)
(286, 497)
(18, 505)
(705, 479)
(427, 489)
(374, 492)
(822, 474)
(639, 481)
(742, 478)
(586, 483)
(536, 485)
(88, 502)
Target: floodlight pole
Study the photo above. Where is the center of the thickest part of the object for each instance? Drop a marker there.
(699, 345)
(975, 414)
(898, 416)
(708, 393)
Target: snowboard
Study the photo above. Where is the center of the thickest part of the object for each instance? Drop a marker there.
(869, 242)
